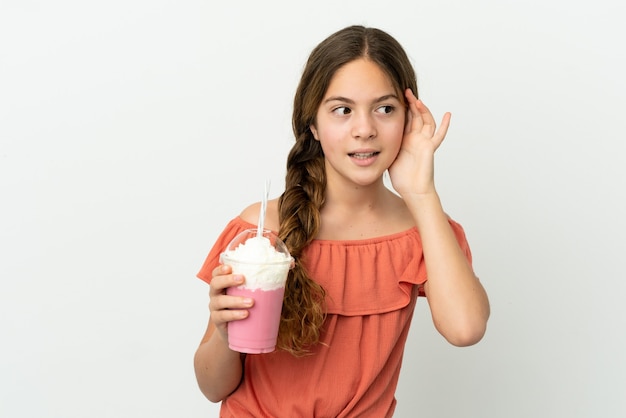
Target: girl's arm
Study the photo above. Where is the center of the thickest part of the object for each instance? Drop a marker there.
(458, 302)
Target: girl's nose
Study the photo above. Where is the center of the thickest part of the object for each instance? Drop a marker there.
(363, 127)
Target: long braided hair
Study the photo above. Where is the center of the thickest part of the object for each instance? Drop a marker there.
(299, 206)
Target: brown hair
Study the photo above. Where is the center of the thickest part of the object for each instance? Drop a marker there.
(305, 183)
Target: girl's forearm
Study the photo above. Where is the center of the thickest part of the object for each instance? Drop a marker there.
(457, 300)
(218, 369)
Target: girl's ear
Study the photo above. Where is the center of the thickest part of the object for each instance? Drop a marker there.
(314, 132)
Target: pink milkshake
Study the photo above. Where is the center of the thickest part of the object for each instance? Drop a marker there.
(264, 261)
(258, 332)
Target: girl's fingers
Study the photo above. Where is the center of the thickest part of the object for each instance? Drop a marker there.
(223, 301)
(420, 119)
(222, 279)
(443, 129)
(224, 316)
(225, 308)
(221, 269)
(414, 120)
(428, 121)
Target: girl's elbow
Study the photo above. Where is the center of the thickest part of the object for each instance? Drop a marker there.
(467, 337)
(214, 398)
(465, 334)
(214, 394)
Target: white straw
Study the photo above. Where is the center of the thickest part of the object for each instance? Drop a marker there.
(259, 230)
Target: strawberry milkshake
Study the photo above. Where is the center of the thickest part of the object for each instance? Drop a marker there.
(264, 261)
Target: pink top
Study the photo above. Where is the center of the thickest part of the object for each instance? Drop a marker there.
(372, 287)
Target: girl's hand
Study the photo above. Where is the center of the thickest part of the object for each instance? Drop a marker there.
(225, 308)
(413, 170)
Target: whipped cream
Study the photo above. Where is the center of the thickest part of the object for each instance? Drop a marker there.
(258, 261)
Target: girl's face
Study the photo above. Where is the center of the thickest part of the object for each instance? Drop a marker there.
(360, 124)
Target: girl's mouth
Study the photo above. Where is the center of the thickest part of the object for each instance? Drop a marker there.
(363, 155)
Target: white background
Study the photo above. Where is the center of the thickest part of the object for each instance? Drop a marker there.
(132, 131)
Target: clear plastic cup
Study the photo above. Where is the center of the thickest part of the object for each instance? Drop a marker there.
(265, 275)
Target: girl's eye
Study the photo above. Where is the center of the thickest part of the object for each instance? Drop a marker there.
(342, 110)
(385, 109)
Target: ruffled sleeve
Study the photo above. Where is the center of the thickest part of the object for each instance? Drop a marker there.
(461, 239)
(372, 276)
(231, 230)
(361, 277)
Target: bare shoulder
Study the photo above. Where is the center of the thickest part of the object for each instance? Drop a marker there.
(252, 212)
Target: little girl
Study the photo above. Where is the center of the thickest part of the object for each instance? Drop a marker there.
(362, 253)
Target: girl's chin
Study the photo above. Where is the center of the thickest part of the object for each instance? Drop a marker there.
(366, 181)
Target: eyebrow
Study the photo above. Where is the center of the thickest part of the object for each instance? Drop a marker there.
(350, 101)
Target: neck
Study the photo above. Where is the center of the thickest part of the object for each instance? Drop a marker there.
(355, 198)
(357, 212)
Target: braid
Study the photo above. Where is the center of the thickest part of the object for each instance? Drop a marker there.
(299, 206)
(299, 213)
